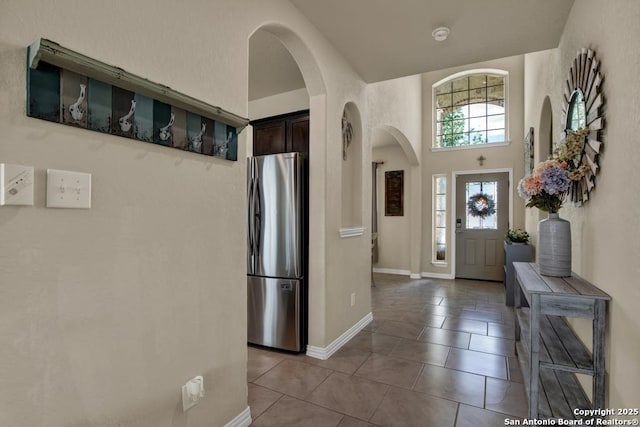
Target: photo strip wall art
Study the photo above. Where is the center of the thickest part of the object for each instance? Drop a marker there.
(62, 96)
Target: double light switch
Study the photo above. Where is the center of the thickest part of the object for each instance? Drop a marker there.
(68, 189)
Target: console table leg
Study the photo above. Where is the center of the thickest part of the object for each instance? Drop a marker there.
(598, 354)
(534, 371)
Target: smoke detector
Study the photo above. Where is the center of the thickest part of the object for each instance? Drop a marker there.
(440, 34)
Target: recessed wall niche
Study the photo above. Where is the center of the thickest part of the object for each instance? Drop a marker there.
(351, 167)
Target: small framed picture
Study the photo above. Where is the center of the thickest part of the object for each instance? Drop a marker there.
(394, 193)
(528, 152)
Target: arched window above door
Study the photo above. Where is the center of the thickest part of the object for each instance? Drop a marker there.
(470, 109)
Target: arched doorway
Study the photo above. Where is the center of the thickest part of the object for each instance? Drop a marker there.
(272, 47)
(398, 244)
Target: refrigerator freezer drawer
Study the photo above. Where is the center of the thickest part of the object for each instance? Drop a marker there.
(273, 318)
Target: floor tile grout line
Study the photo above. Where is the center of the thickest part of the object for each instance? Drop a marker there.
(266, 372)
(455, 418)
(415, 381)
(265, 411)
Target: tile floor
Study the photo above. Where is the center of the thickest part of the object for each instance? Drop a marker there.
(438, 353)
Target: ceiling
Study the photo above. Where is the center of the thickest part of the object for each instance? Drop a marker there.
(385, 39)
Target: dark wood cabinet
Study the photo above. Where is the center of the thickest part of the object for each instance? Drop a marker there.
(281, 134)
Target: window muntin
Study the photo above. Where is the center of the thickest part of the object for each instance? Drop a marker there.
(439, 218)
(470, 110)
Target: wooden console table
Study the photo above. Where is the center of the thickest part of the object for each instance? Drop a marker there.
(548, 350)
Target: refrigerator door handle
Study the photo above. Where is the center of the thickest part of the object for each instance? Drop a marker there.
(250, 218)
(257, 220)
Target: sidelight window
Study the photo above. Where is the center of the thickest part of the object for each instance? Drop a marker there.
(439, 219)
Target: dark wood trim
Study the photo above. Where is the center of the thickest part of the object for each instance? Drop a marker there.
(279, 117)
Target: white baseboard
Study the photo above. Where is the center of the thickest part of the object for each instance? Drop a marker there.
(392, 271)
(351, 231)
(242, 420)
(448, 276)
(323, 353)
(415, 276)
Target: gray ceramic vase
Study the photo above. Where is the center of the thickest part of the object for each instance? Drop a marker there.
(554, 246)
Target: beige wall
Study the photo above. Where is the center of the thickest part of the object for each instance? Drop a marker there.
(395, 115)
(282, 103)
(446, 162)
(393, 231)
(604, 231)
(397, 104)
(105, 313)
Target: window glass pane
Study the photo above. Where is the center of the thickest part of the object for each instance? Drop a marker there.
(495, 80)
(478, 95)
(443, 101)
(493, 109)
(490, 222)
(460, 98)
(463, 111)
(472, 188)
(440, 218)
(478, 123)
(444, 88)
(495, 135)
(478, 137)
(490, 187)
(478, 110)
(495, 93)
(477, 81)
(461, 84)
(473, 222)
(477, 222)
(459, 139)
(495, 122)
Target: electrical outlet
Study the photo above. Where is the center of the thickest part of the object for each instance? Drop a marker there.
(353, 299)
(16, 185)
(192, 392)
(68, 189)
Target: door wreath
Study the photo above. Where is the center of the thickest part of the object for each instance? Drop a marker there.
(481, 205)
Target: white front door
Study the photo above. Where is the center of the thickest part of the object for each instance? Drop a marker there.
(482, 219)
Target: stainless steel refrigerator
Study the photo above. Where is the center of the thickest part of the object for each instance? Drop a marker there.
(276, 252)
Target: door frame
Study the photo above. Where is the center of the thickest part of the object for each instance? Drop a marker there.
(454, 181)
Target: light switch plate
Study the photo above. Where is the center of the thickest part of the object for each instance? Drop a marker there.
(16, 185)
(67, 189)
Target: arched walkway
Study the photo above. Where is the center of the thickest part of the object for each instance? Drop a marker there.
(316, 88)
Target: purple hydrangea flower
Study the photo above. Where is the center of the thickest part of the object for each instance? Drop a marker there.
(555, 180)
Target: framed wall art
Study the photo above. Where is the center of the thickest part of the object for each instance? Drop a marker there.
(394, 193)
(528, 152)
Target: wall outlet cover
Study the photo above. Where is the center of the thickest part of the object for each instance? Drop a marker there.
(16, 185)
(67, 189)
(192, 392)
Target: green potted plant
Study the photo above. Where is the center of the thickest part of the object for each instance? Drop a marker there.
(517, 236)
